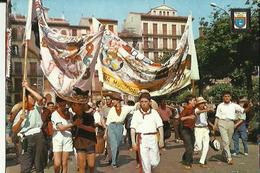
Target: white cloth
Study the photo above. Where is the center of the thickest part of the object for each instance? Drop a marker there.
(149, 152)
(146, 124)
(202, 142)
(97, 117)
(201, 118)
(228, 110)
(149, 149)
(113, 117)
(61, 140)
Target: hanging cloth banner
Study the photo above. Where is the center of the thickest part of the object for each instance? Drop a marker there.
(127, 70)
(67, 62)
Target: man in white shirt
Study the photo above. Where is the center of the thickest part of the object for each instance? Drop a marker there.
(145, 123)
(115, 120)
(28, 126)
(225, 116)
(201, 129)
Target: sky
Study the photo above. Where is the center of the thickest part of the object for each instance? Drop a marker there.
(73, 10)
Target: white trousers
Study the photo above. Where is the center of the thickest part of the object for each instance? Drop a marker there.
(149, 152)
(202, 142)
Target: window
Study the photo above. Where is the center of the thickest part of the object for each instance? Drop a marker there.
(168, 13)
(146, 54)
(18, 68)
(17, 98)
(174, 44)
(156, 56)
(182, 29)
(164, 29)
(33, 68)
(74, 32)
(155, 28)
(33, 82)
(164, 43)
(160, 13)
(18, 84)
(111, 28)
(20, 34)
(164, 13)
(155, 43)
(135, 44)
(145, 28)
(145, 42)
(174, 30)
(64, 32)
(14, 34)
(14, 50)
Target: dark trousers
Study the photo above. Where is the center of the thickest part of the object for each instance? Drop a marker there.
(128, 131)
(34, 149)
(188, 139)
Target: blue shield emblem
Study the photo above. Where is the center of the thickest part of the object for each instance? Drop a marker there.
(240, 22)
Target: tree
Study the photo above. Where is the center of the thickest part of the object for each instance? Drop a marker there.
(222, 53)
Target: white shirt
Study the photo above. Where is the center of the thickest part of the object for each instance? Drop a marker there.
(146, 124)
(201, 119)
(56, 119)
(97, 117)
(241, 116)
(32, 123)
(113, 117)
(228, 110)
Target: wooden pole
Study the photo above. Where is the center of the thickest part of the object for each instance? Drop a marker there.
(101, 92)
(193, 87)
(25, 72)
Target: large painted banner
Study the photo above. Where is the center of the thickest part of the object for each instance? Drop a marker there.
(127, 70)
(68, 62)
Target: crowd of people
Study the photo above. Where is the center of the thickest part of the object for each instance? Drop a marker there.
(48, 132)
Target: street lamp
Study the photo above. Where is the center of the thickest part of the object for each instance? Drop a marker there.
(217, 6)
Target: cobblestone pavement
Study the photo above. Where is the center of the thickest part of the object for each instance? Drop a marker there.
(170, 162)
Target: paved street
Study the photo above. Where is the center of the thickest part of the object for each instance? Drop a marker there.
(170, 162)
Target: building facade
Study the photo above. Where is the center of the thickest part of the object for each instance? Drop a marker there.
(161, 29)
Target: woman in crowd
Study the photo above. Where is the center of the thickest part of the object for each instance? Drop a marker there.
(62, 137)
(85, 137)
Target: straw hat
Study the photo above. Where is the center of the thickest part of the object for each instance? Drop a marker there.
(116, 96)
(200, 100)
(243, 100)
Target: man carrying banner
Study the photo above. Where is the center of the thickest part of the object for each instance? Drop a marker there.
(29, 127)
(145, 123)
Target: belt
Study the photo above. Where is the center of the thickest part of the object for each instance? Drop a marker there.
(227, 119)
(117, 123)
(152, 133)
(201, 126)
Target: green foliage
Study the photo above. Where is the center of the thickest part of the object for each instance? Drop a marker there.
(222, 53)
(214, 94)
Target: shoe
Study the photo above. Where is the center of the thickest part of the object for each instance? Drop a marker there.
(203, 165)
(187, 167)
(246, 154)
(163, 149)
(115, 166)
(234, 154)
(137, 166)
(108, 162)
(230, 162)
(196, 153)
